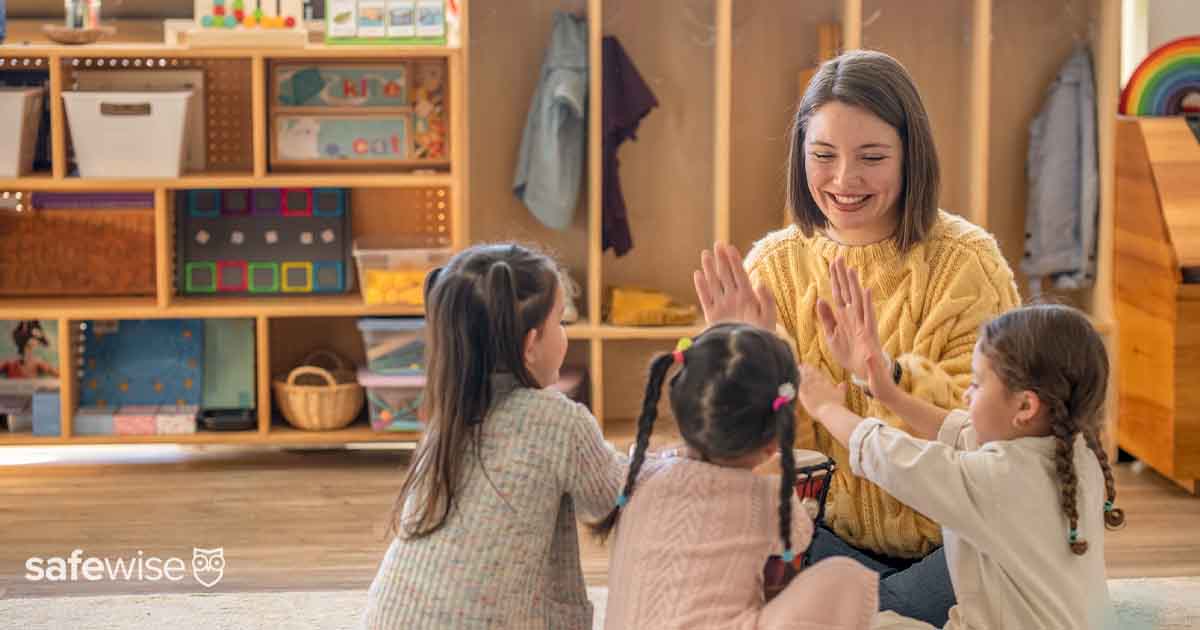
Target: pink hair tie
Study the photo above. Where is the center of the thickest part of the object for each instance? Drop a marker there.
(787, 393)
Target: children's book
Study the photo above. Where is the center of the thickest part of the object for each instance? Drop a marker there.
(228, 364)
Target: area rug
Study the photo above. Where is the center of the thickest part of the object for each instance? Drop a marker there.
(1156, 603)
(1142, 604)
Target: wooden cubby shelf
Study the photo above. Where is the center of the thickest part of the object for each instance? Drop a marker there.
(278, 435)
(708, 163)
(197, 307)
(164, 51)
(321, 320)
(44, 181)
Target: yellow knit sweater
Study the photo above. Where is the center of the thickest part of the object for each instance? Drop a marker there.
(930, 302)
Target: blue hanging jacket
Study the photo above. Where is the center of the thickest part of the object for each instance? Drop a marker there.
(1061, 217)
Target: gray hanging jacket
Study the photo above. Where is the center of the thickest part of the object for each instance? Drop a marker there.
(1061, 217)
(550, 164)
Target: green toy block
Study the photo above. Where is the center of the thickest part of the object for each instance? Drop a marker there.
(264, 277)
(201, 277)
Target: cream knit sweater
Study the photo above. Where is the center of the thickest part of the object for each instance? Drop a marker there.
(930, 303)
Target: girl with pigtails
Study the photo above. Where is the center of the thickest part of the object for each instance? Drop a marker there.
(484, 527)
(692, 533)
(1019, 481)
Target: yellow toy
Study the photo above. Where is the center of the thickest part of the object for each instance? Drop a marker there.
(632, 306)
(385, 286)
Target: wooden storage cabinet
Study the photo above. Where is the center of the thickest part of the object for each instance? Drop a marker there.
(1157, 246)
(236, 130)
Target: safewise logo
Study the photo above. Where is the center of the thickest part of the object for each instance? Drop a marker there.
(207, 568)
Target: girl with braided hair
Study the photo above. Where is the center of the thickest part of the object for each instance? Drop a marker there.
(1019, 482)
(693, 532)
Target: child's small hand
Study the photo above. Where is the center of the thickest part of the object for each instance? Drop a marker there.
(816, 392)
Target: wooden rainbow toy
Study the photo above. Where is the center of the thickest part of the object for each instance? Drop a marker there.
(1167, 82)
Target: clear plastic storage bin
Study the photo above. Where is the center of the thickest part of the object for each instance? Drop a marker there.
(394, 400)
(394, 346)
(390, 273)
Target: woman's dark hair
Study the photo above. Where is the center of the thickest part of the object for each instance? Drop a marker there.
(723, 400)
(878, 84)
(479, 309)
(1054, 352)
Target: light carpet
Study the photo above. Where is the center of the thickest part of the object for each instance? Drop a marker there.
(1141, 604)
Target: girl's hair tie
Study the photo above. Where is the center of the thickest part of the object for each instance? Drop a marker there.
(622, 500)
(1072, 535)
(1108, 506)
(788, 556)
(787, 393)
(684, 344)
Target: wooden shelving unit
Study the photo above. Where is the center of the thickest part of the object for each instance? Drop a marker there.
(277, 435)
(233, 180)
(188, 307)
(708, 163)
(334, 313)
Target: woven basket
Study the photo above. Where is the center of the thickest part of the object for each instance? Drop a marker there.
(313, 398)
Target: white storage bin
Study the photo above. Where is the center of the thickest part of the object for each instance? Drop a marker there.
(128, 134)
(20, 117)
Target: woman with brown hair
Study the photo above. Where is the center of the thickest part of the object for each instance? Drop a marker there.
(862, 187)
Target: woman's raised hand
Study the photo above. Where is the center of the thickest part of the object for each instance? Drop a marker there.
(851, 331)
(725, 293)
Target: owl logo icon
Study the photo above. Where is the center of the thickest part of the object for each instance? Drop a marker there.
(208, 565)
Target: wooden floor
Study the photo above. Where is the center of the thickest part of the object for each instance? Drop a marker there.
(315, 520)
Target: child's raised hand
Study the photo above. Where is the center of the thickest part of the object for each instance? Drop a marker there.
(817, 393)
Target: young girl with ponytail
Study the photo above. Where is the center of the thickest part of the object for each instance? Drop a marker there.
(485, 524)
(1019, 482)
(692, 533)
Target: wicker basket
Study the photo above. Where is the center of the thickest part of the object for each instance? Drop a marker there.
(313, 398)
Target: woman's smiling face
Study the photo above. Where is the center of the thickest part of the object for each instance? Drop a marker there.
(854, 162)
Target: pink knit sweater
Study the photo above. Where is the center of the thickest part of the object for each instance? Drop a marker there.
(689, 551)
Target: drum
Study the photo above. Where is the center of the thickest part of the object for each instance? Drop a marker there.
(814, 470)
